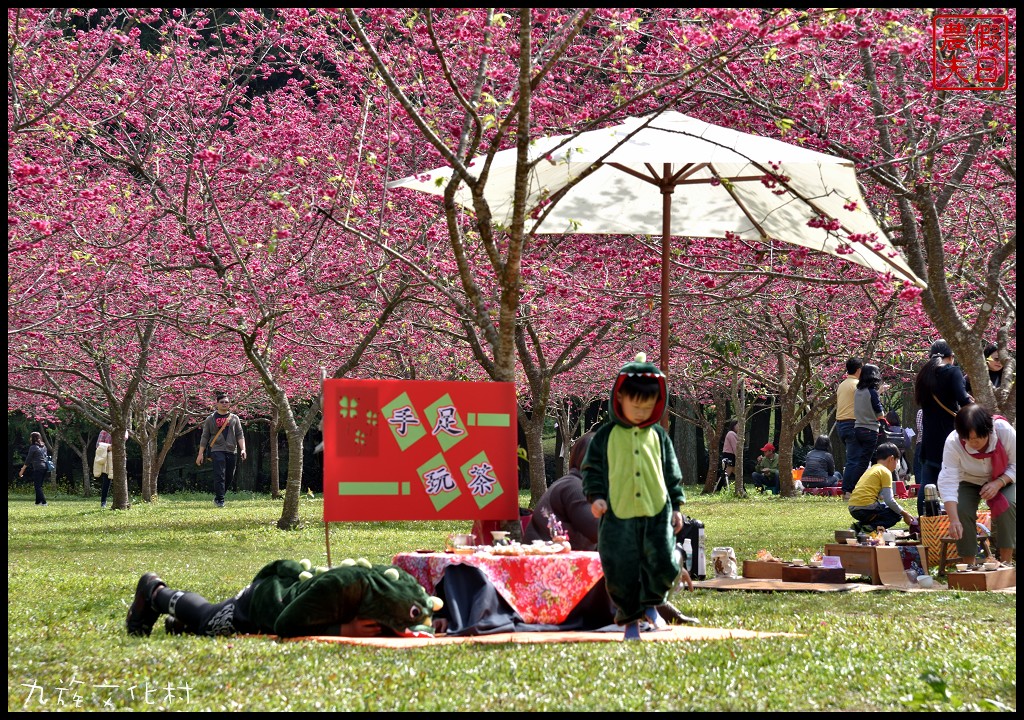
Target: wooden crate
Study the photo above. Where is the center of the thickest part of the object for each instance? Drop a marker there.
(760, 570)
(982, 579)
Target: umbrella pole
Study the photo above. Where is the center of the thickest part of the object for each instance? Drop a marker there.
(666, 234)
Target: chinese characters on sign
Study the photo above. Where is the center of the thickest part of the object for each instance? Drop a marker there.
(970, 52)
(417, 450)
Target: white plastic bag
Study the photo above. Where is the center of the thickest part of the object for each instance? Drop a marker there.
(724, 561)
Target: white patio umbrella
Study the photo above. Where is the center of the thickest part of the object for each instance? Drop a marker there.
(728, 182)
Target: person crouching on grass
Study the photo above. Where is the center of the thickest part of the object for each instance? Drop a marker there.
(979, 462)
(632, 480)
(872, 503)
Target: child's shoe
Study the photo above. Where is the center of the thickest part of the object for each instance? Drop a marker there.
(632, 631)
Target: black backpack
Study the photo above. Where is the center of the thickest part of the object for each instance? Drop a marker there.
(897, 437)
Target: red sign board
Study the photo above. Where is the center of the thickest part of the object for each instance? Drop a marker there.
(420, 450)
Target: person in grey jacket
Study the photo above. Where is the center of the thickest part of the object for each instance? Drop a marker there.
(867, 408)
(222, 436)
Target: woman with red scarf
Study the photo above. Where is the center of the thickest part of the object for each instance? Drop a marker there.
(979, 462)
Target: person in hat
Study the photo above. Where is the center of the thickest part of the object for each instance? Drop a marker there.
(766, 471)
(631, 478)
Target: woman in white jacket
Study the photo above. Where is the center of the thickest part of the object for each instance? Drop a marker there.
(979, 462)
(103, 464)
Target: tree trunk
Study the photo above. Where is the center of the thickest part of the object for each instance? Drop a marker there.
(740, 402)
(275, 455)
(684, 438)
(148, 443)
(83, 457)
(714, 434)
(533, 429)
(786, 441)
(290, 513)
(86, 475)
(119, 482)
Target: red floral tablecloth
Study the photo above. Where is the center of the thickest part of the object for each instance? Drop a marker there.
(541, 588)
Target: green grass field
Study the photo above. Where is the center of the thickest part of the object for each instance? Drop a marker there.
(72, 569)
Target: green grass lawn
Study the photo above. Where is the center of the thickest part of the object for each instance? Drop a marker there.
(72, 569)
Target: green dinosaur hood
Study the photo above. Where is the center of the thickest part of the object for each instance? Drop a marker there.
(639, 366)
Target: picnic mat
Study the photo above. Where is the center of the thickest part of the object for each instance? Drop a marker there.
(671, 633)
(724, 583)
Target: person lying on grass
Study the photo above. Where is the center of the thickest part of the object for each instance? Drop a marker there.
(355, 599)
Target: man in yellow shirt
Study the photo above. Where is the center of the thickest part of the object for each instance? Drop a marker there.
(845, 419)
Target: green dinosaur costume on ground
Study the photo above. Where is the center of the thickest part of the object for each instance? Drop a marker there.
(287, 600)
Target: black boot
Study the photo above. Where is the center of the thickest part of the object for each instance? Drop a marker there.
(142, 614)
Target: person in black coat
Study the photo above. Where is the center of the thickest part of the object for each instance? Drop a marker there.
(820, 466)
(35, 463)
(565, 500)
(940, 392)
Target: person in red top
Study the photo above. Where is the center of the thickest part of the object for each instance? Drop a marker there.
(766, 473)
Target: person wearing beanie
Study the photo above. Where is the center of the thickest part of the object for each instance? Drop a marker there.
(632, 480)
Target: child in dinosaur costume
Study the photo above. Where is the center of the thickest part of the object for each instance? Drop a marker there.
(632, 480)
(286, 599)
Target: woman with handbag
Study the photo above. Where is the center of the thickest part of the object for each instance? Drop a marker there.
(940, 392)
(35, 463)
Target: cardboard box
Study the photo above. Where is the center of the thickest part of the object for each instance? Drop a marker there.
(983, 580)
(760, 570)
(882, 563)
(813, 575)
